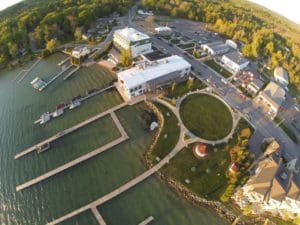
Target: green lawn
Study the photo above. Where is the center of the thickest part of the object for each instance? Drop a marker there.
(169, 135)
(182, 88)
(208, 177)
(216, 67)
(206, 116)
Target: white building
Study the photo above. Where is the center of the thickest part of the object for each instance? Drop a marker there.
(163, 30)
(129, 39)
(231, 43)
(145, 13)
(271, 98)
(254, 86)
(216, 48)
(281, 76)
(234, 61)
(148, 75)
(80, 52)
(271, 189)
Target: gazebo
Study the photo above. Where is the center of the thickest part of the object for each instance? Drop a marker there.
(200, 150)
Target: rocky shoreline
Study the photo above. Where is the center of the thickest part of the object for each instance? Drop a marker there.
(216, 206)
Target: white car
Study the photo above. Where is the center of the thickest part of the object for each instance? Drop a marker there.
(297, 107)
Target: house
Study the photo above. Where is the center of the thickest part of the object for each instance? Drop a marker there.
(147, 76)
(80, 52)
(271, 98)
(271, 189)
(234, 61)
(254, 86)
(129, 39)
(281, 76)
(216, 48)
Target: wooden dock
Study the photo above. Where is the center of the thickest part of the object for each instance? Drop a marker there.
(55, 77)
(64, 61)
(122, 188)
(71, 73)
(71, 164)
(147, 220)
(69, 130)
(98, 216)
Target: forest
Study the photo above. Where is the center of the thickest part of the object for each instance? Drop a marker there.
(266, 37)
(37, 24)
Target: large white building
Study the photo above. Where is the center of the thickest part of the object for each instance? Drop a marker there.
(129, 39)
(271, 98)
(149, 75)
(234, 61)
(271, 189)
(281, 76)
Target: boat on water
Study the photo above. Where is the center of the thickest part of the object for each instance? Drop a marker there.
(45, 117)
(59, 110)
(43, 147)
(74, 104)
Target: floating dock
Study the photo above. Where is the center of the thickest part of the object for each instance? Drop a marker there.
(82, 99)
(55, 77)
(71, 73)
(78, 126)
(64, 61)
(26, 71)
(147, 220)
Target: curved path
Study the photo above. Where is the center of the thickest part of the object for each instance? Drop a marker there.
(175, 110)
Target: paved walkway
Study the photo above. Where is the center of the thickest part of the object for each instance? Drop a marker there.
(194, 138)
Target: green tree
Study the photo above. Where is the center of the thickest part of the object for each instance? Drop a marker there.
(126, 58)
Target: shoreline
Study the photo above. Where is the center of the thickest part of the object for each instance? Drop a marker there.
(217, 207)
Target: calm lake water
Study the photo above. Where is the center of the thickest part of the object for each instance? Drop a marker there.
(21, 105)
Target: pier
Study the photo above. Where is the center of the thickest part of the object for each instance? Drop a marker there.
(64, 61)
(147, 220)
(98, 216)
(122, 188)
(71, 164)
(124, 137)
(71, 73)
(78, 126)
(81, 100)
(26, 71)
(55, 77)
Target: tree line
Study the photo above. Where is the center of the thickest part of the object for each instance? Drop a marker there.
(35, 24)
(275, 44)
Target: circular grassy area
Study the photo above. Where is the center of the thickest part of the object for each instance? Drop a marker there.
(206, 116)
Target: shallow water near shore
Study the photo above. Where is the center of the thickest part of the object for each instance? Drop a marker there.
(21, 105)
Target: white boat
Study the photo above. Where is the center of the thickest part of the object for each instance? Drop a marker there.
(58, 112)
(45, 118)
(74, 104)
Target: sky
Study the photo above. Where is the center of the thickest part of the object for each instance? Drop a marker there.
(5, 3)
(287, 8)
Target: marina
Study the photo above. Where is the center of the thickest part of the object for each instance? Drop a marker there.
(75, 102)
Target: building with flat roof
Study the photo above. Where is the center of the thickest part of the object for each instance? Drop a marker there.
(216, 48)
(147, 76)
(129, 39)
(271, 189)
(281, 76)
(234, 61)
(271, 98)
(254, 86)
